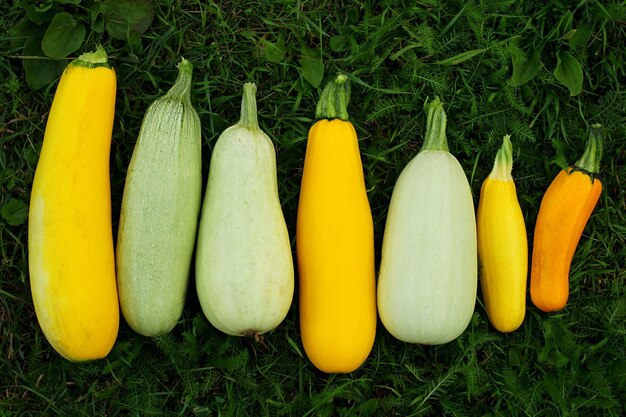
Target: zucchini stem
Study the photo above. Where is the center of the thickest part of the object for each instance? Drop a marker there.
(97, 58)
(590, 161)
(181, 90)
(333, 103)
(503, 164)
(249, 118)
(435, 139)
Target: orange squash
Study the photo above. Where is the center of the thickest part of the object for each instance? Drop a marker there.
(335, 242)
(563, 214)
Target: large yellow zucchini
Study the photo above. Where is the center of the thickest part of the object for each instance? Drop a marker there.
(70, 242)
(335, 242)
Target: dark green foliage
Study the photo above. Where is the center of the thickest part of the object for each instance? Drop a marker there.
(49, 31)
(494, 65)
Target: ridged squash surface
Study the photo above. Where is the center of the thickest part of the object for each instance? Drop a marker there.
(159, 213)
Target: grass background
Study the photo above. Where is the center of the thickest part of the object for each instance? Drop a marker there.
(572, 363)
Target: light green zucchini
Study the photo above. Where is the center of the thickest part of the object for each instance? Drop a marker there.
(159, 212)
(428, 273)
(244, 266)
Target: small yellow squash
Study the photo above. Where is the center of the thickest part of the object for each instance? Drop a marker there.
(502, 245)
(70, 240)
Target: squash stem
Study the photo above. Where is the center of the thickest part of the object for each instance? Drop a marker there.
(590, 161)
(503, 165)
(435, 139)
(248, 117)
(97, 58)
(181, 90)
(333, 103)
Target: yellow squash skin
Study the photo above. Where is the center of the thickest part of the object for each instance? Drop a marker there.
(71, 258)
(502, 246)
(564, 211)
(335, 251)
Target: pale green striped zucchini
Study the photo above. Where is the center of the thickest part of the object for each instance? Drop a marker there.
(159, 212)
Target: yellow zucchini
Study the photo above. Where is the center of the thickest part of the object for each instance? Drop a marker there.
(335, 242)
(70, 241)
(502, 245)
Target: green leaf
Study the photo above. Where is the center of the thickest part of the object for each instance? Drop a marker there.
(74, 2)
(123, 18)
(39, 71)
(569, 72)
(97, 19)
(64, 36)
(40, 13)
(560, 160)
(21, 31)
(565, 24)
(353, 15)
(369, 407)
(134, 40)
(525, 67)
(338, 43)
(562, 27)
(553, 386)
(275, 52)
(569, 35)
(15, 212)
(98, 24)
(312, 69)
(580, 38)
(462, 57)
(31, 155)
(5, 176)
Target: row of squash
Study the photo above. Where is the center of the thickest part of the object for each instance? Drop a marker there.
(244, 271)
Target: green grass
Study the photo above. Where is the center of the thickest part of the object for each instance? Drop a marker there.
(397, 54)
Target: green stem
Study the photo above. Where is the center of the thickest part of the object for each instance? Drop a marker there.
(333, 103)
(590, 161)
(503, 165)
(181, 90)
(97, 58)
(435, 139)
(248, 117)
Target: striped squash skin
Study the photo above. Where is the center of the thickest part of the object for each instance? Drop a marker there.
(159, 212)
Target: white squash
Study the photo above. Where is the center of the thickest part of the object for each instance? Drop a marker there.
(428, 274)
(244, 266)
